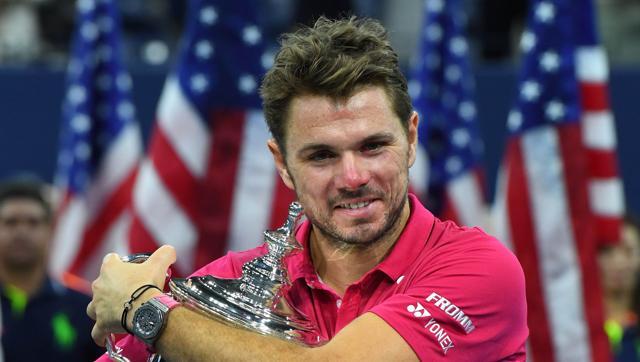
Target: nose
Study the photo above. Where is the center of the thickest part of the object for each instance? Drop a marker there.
(353, 173)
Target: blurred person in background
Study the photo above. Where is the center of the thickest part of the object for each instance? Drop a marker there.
(619, 268)
(42, 320)
(619, 22)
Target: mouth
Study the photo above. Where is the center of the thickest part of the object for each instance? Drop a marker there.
(354, 205)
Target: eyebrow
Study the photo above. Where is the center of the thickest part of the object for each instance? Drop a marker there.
(378, 137)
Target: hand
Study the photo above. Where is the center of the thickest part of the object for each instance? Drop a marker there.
(116, 282)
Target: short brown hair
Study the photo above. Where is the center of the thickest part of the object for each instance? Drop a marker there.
(333, 58)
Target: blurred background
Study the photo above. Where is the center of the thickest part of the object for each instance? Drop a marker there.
(35, 38)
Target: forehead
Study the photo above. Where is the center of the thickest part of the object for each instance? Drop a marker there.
(21, 206)
(368, 109)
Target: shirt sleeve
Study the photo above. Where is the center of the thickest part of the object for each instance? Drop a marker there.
(462, 304)
(130, 347)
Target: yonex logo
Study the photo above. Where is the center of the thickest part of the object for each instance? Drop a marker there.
(418, 310)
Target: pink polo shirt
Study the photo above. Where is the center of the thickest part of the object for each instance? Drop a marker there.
(452, 293)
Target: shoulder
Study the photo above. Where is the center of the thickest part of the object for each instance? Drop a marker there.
(230, 265)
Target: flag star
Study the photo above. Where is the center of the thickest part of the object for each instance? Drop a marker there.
(77, 94)
(554, 110)
(467, 110)
(433, 32)
(82, 151)
(550, 61)
(545, 12)
(80, 123)
(514, 122)
(199, 83)
(458, 46)
(530, 90)
(208, 15)
(204, 49)
(267, 59)
(89, 31)
(453, 73)
(125, 110)
(453, 165)
(247, 83)
(251, 35)
(123, 81)
(528, 41)
(86, 5)
(460, 137)
(414, 89)
(435, 6)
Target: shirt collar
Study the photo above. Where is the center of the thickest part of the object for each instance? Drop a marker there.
(413, 238)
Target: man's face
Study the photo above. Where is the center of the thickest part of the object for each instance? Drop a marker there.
(620, 264)
(24, 233)
(348, 162)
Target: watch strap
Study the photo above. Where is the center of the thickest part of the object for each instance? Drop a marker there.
(166, 300)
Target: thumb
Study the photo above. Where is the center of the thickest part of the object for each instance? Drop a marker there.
(163, 257)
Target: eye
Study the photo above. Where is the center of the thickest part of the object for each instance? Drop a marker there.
(371, 146)
(320, 156)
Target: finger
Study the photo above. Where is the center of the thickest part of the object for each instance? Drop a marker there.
(110, 257)
(163, 257)
(99, 336)
(91, 310)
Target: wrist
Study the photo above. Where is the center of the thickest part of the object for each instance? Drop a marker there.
(144, 297)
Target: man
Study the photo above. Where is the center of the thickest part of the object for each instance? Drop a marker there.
(380, 276)
(42, 320)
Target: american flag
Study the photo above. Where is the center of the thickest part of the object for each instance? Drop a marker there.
(208, 183)
(559, 179)
(442, 93)
(100, 146)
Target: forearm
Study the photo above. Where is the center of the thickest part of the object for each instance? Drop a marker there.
(190, 336)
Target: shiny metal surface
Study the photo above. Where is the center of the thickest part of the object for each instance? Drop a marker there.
(257, 300)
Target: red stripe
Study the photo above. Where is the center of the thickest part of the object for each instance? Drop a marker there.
(140, 240)
(282, 197)
(523, 238)
(602, 164)
(574, 159)
(215, 193)
(94, 233)
(608, 230)
(449, 211)
(175, 176)
(594, 96)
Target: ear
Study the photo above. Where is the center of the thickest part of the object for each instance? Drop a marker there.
(281, 165)
(412, 137)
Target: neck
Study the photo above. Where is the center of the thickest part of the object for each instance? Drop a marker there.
(617, 305)
(29, 280)
(340, 266)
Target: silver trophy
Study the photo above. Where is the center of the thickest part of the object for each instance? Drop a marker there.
(258, 299)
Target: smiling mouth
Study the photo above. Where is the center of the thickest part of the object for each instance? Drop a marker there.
(354, 205)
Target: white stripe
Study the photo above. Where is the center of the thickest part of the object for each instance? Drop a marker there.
(419, 172)
(67, 236)
(184, 128)
(591, 64)
(121, 159)
(559, 264)
(466, 196)
(115, 240)
(162, 216)
(606, 197)
(499, 214)
(598, 131)
(254, 187)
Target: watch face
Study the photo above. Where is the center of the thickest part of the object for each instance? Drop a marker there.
(147, 322)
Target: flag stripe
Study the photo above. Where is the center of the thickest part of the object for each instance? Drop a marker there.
(599, 131)
(466, 194)
(253, 196)
(603, 197)
(594, 96)
(591, 64)
(519, 218)
(186, 130)
(584, 235)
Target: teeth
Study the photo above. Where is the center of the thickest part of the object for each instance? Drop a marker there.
(356, 205)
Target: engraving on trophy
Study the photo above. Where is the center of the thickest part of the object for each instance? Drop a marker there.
(258, 299)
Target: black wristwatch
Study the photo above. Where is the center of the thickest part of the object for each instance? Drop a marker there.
(150, 319)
